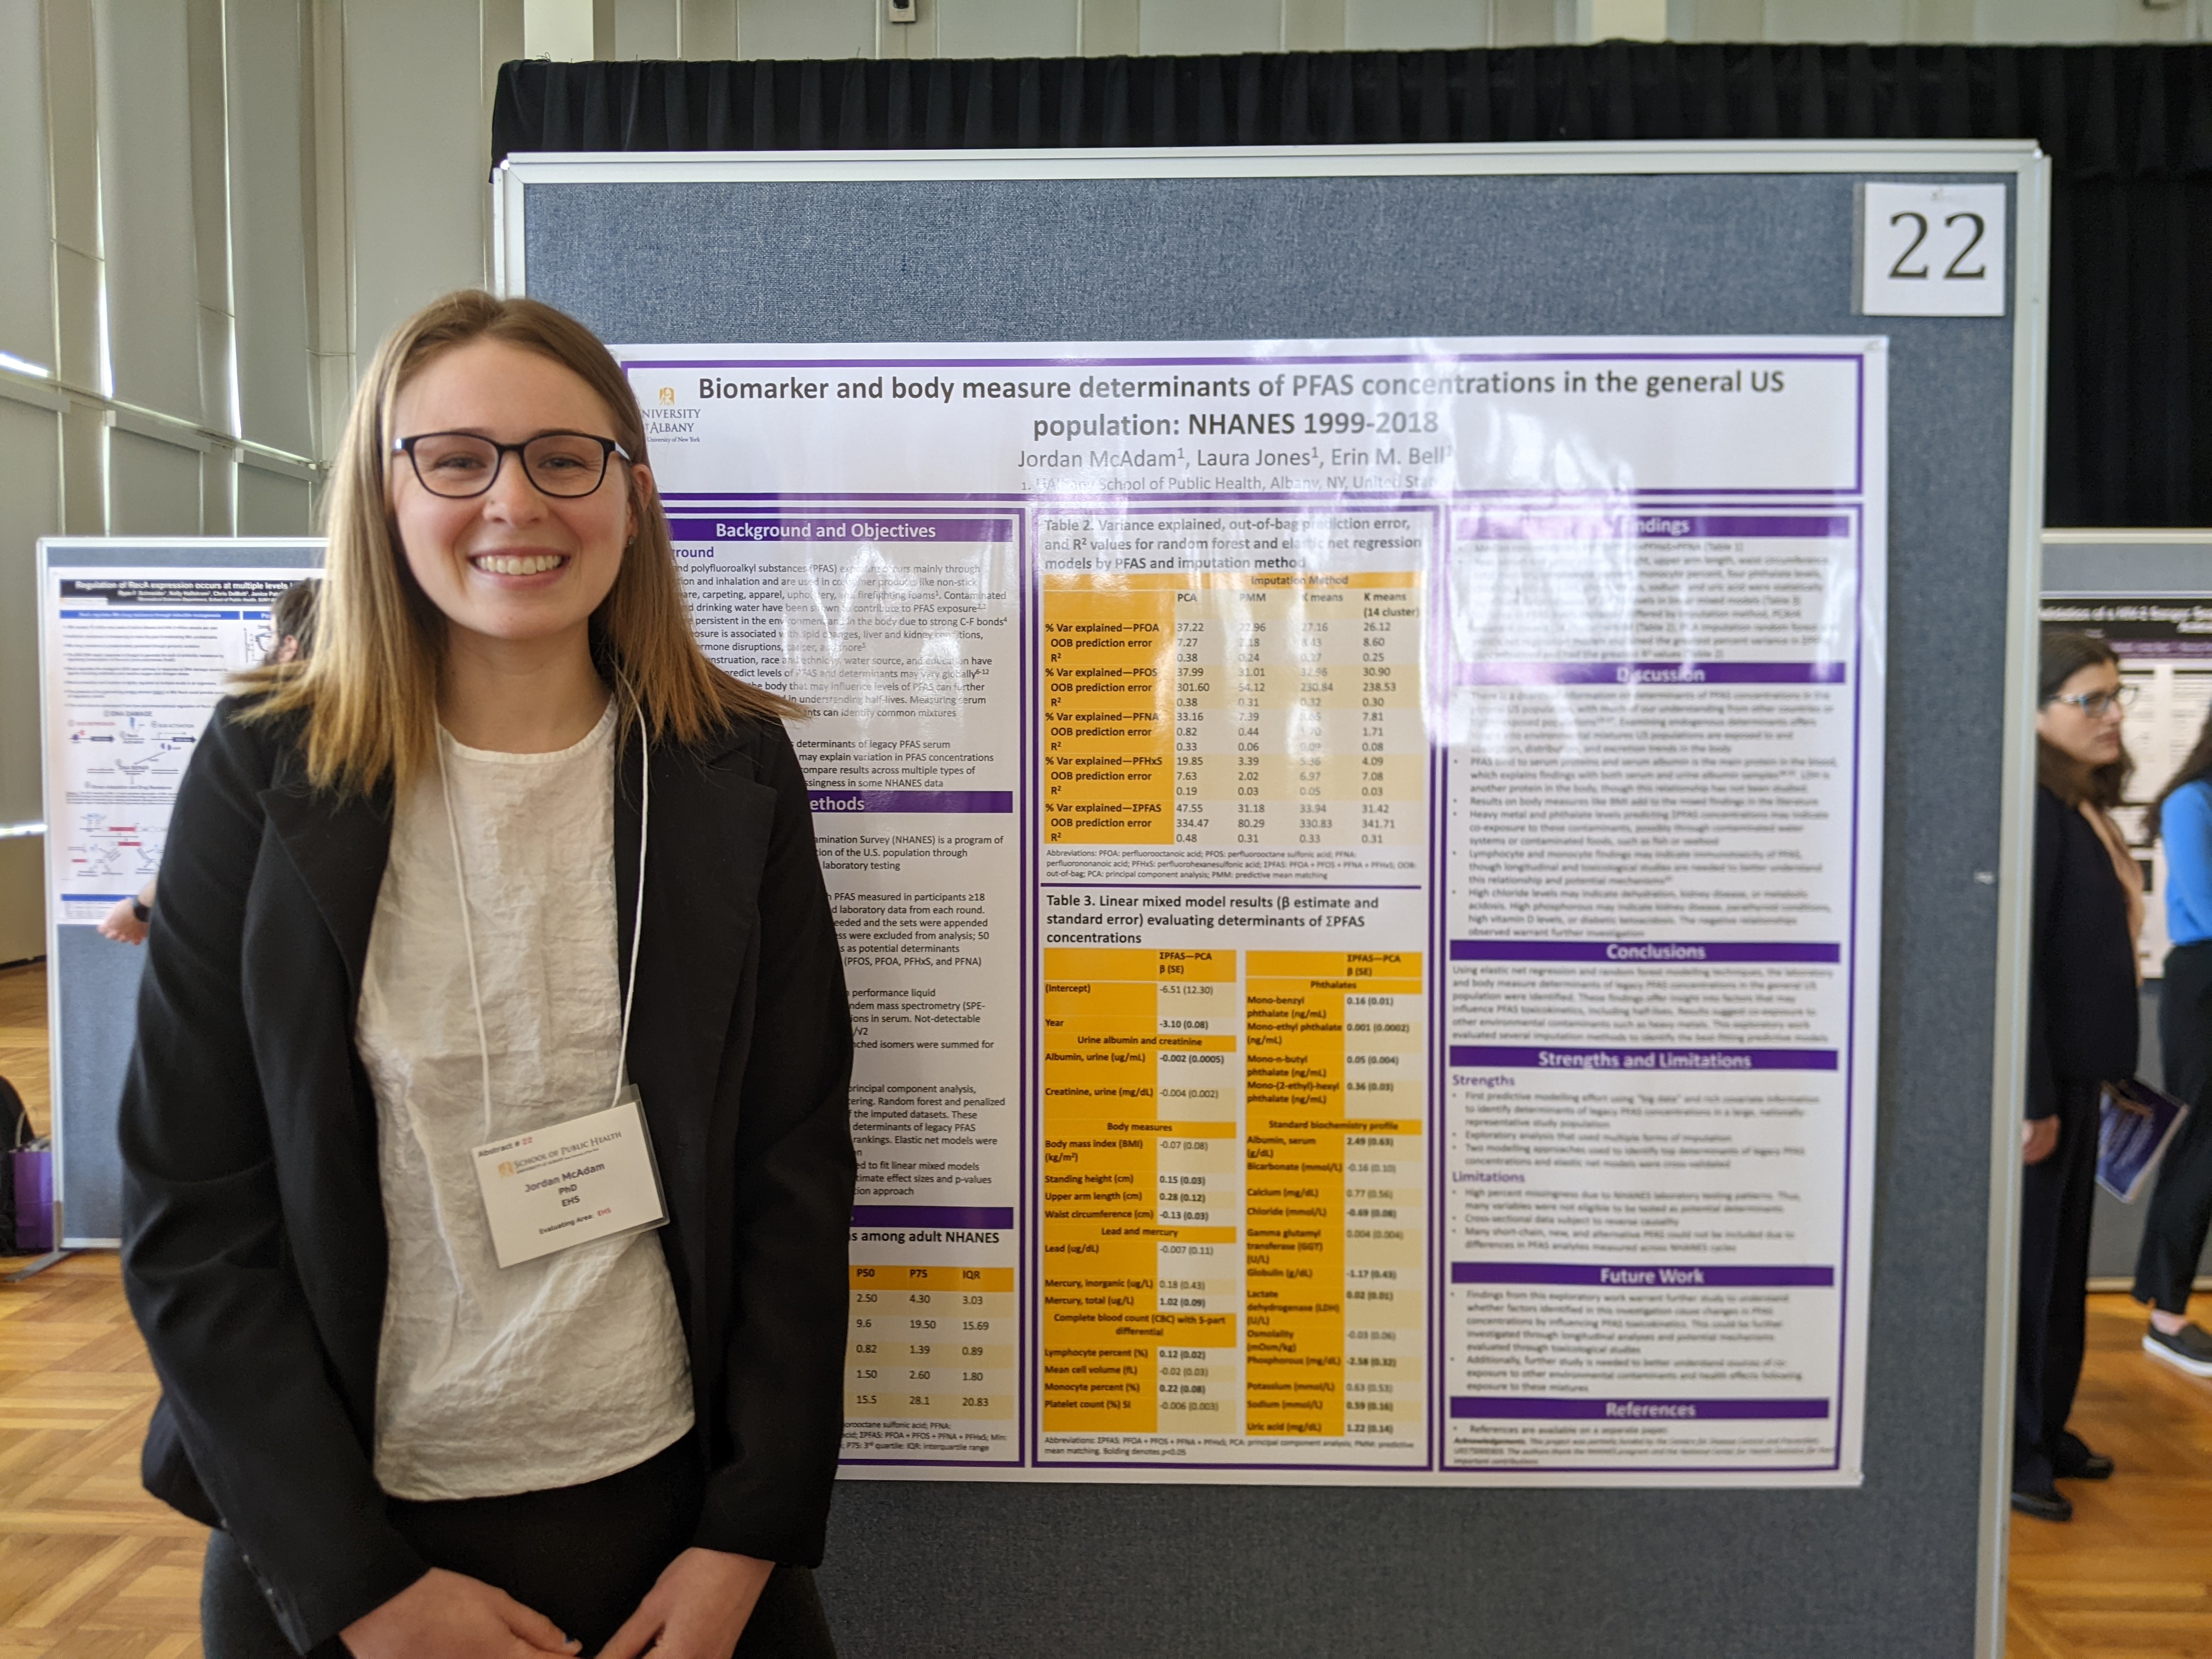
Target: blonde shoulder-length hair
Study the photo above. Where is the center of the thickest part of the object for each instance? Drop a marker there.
(368, 693)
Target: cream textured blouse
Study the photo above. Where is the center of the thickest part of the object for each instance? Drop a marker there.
(492, 1380)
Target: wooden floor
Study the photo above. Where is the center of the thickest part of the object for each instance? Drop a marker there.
(91, 1568)
(23, 1036)
(2131, 1574)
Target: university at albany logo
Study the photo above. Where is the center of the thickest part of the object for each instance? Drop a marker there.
(667, 422)
(506, 1169)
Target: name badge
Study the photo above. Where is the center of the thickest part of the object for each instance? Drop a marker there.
(573, 1183)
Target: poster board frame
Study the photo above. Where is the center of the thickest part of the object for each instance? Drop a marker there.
(2018, 161)
(79, 1120)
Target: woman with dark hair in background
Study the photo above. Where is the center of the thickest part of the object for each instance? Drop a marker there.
(2181, 1207)
(2081, 1032)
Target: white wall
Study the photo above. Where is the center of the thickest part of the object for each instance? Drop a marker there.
(271, 177)
(27, 321)
(1007, 28)
(207, 210)
(30, 507)
(418, 84)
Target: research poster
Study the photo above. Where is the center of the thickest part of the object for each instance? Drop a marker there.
(137, 637)
(137, 645)
(2164, 645)
(1358, 863)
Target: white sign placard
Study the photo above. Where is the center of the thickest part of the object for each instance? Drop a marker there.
(1357, 864)
(1931, 250)
(570, 1183)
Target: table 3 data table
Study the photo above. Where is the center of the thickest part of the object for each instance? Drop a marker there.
(1234, 1207)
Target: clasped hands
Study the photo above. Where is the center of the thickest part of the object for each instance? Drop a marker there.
(696, 1609)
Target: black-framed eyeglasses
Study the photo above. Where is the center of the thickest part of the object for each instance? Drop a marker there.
(460, 465)
(2098, 704)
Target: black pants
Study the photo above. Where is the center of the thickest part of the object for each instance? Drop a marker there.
(583, 1555)
(2057, 1197)
(2181, 1206)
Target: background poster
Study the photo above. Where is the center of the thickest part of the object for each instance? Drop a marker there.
(136, 659)
(137, 636)
(2165, 646)
(1357, 862)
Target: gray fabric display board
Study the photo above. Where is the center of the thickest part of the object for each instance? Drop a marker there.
(1494, 240)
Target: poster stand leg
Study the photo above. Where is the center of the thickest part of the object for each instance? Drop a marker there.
(38, 1266)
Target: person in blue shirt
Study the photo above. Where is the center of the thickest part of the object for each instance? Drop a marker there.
(2181, 1206)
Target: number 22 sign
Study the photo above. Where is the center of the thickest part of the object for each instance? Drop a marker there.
(1931, 251)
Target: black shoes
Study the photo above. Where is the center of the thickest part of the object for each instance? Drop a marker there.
(2043, 1505)
(2073, 1461)
(2188, 1349)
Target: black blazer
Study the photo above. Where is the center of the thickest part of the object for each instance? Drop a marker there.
(255, 1243)
(2082, 1000)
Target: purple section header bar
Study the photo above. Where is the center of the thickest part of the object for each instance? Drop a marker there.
(911, 800)
(1649, 673)
(1624, 1411)
(844, 527)
(1633, 951)
(1634, 1277)
(1262, 360)
(1651, 1060)
(932, 1215)
(1644, 526)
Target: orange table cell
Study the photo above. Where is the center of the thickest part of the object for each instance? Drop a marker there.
(1216, 967)
(1108, 713)
(1066, 965)
(1096, 1002)
(1335, 964)
(903, 1277)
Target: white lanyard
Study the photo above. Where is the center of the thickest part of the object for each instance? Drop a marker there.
(637, 929)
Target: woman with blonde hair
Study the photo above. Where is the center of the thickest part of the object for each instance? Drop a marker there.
(488, 1175)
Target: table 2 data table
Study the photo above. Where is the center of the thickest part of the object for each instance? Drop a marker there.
(1225, 711)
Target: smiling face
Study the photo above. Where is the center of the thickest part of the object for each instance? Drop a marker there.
(2092, 740)
(513, 564)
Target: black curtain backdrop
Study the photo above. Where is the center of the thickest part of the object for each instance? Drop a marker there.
(2129, 129)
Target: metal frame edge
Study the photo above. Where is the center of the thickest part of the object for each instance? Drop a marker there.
(54, 1083)
(2016, 857)
(1257, 161)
